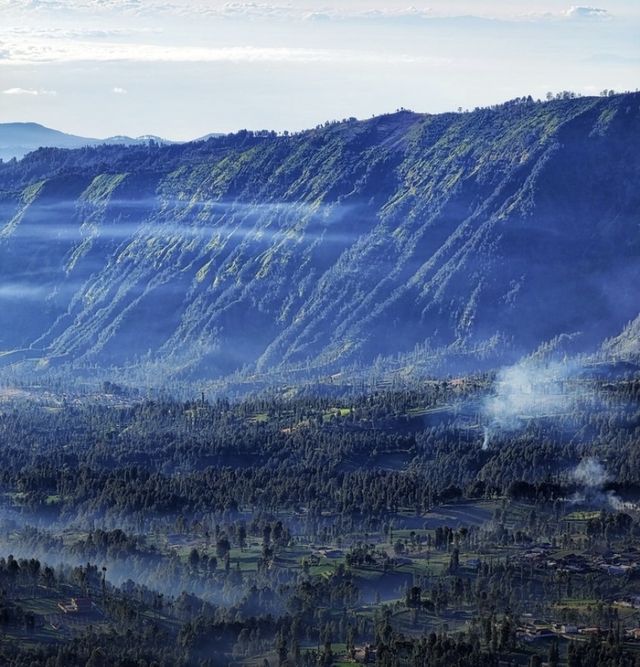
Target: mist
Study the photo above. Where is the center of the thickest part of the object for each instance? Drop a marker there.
(164, 573)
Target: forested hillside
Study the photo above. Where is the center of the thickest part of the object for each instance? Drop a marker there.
(471, 237)
(316, 531)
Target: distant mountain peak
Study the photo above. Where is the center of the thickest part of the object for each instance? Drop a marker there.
(19, 138)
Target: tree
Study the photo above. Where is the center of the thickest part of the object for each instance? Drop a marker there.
(242, 537)
(98, 658)
(222, 547)
(194, 559)
(554, 654)
(281, 649)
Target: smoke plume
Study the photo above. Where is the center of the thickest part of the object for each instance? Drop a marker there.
(591, 476)
(530, 389)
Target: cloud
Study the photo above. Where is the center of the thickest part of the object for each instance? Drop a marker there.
(119, 91)
(75, 33)
(71, 5)
(587, 13)
(19, 91)
(256, 11)
(278, 11)
(409, 14)
(28, 91)
(228, 10)
(32, 52)
(253, 10)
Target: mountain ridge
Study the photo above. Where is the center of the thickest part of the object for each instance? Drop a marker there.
(472, 237)
(20, 138)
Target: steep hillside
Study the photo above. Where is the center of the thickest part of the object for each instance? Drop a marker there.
(626, 345)
(472, 237)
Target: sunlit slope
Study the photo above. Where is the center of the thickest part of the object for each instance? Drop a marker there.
(476, 235)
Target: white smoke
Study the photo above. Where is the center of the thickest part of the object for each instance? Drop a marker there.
(487, 438)
(590, 473)
(528, 390)
(592, 476)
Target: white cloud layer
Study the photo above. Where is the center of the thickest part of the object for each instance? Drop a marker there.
(71, 5)
(293, 11)
(73, 33)
(34, 92)
(36, 51)
(588, 13)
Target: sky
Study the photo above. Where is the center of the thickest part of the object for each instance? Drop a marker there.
(181, 69)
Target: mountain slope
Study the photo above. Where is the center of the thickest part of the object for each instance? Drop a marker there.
(467, 237)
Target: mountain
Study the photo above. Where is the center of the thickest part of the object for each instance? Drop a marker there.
(133, 141)
(18, 139)
(211, 135)
(456, 241)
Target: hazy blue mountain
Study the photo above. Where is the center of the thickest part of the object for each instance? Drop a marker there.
(468, 238)
(18, 139)
(210, 135)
